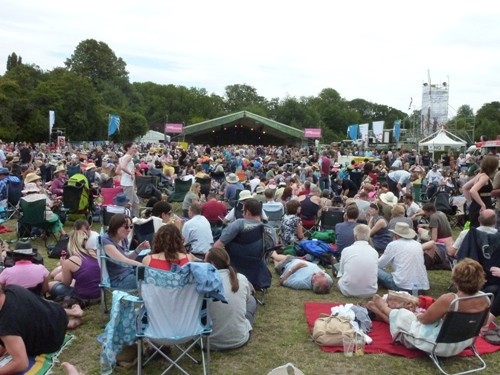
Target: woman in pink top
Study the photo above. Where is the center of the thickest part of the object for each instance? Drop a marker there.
(168, 248)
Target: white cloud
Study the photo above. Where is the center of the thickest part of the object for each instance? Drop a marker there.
(378, 51)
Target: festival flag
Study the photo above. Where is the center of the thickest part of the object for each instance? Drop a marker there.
(52, 120)
(113, 124)
(352, 131)
(397, 130)
(363, 131)
(378, 130)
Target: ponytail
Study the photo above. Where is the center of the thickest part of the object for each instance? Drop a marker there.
(233, 278)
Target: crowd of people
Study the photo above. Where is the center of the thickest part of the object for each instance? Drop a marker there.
(392, 231)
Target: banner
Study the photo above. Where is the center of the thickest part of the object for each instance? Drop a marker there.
(173, 128)
(378, 130)
(352, 131)
(113, 124)
(312, 133)
(52, 120)
(363, 131)
(397, 130)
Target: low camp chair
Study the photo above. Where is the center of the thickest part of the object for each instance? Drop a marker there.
(181, 188)
(331, 217)
(33, 215)
(458, 327)
(176, 316)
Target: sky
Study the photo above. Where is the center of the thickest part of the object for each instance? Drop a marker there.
(380, 51)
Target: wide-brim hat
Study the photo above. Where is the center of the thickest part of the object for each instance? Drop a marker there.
(403, 230)
(60, 168)
(4, 171)
(30, 187)
(121, 199)
(282, 184)
(259, 190)
(244, 195)
(336, 165)
(232, 178)
(90, 166)
(16, 159)
(389, 198)
(31, 177)
(23, 248)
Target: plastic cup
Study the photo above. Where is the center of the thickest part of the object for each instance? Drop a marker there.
(349, 344)
(359, 348)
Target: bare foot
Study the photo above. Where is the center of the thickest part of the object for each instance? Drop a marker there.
(74, 323)
(379, 301)
(75, 311)
(370, 305)
(69, 369)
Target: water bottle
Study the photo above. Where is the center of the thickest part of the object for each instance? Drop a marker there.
(414, 291)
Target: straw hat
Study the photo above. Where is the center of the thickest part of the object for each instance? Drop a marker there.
(244, 195)
(403, 230)
(90, 166)
(232, 178)
(389, 198)
(31, 177)
(259, 190)
(60, 168)
(30, 187)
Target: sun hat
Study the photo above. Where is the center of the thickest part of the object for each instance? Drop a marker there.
(232, 178)
(244, 195)
(90, 166)
(15, 159)
(30, 187)
(259, 190)
(403, 230)
(60, 168)
(23, 248)
(121, 199)
(389, 198)
(31, 177)
(4, 171)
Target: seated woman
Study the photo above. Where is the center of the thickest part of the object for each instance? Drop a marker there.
(116, 246)
(24, 272)
(291, 225)
(162, 214)
(379, 234)
(231, 322)
(398, 216)
(192, 196)
(168, 248)
(82, 267)
(468, 277)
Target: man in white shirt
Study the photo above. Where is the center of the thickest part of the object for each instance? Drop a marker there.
(359, 266)
(197, 232)
(406, 258)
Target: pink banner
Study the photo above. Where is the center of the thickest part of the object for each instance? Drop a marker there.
(173, 128)
(312, 132)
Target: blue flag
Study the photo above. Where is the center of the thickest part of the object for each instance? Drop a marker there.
(352, 131)
(113, 124)
(397, 130)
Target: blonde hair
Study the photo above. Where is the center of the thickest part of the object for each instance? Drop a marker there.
(76, 244)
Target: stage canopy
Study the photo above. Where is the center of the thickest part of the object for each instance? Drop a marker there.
(442, 138)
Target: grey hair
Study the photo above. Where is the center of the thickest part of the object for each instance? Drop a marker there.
(362, 232)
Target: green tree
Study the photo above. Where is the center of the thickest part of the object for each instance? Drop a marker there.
(488, 120)
(242, 97)
(13, 60)
(96, 61)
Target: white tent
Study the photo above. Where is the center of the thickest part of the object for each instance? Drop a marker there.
(151, 136)
(439, 140)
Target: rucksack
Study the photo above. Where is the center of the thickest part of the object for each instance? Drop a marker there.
(313, 247)
(62, 244)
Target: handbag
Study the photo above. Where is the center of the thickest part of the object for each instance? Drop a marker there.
(328, 330)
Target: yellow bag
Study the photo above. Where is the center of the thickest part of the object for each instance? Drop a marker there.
(328, 330)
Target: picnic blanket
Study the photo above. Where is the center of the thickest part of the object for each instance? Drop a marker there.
(43, 363)
(382, 340)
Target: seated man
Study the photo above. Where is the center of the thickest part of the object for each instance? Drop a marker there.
(197, 232)
(406, 258)
(344, 234)
(30, 325)
(358, 266)
(300, 274)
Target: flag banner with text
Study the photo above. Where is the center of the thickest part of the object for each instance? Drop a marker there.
(173, 128)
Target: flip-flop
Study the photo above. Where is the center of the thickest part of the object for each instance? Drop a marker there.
(492, 336)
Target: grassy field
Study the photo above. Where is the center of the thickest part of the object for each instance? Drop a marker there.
(280, 335)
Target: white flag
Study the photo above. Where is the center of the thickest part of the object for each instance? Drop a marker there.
(378, 130)
(363, 131)
(52, 120)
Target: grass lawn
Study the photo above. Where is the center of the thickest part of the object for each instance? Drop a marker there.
(280, 335)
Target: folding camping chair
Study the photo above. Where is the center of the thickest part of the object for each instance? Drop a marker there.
(14, 194)
(33, 215)
(206, 184)
(180, 190)
(176, 315)
(108, 194)
(274, 216)
(105, 283)
(248, 252)
(331, 217)
(142, 232)
(458, 327)
(309, 225)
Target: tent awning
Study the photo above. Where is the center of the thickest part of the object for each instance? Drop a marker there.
(442, 138)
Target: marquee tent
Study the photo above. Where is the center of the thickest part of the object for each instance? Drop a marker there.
(439, 140)
(151, 136)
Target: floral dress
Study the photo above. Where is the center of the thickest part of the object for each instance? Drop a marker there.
(288, 233)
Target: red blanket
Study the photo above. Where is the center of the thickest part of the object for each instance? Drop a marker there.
(382, 340)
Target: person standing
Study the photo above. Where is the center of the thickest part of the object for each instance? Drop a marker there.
(325, 164)
(127, 180)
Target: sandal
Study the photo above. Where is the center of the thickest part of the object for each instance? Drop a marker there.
(492, 336)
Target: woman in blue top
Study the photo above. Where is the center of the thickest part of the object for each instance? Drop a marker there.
(116, 246)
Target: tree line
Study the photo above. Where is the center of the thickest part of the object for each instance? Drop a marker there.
(94, 83)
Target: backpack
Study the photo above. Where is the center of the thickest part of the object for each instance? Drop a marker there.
(328, 330)
(327, 236)
(313, 247)
(62, 244)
